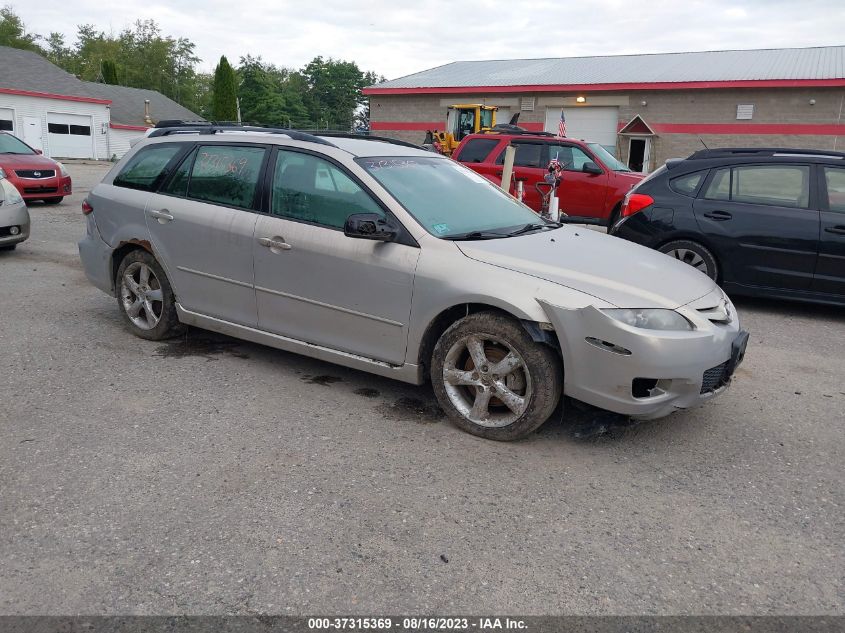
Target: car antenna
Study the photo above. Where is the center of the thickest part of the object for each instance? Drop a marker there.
(703, 143)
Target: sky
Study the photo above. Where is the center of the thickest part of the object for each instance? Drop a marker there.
(399, 38)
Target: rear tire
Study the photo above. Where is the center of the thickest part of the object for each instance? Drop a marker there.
(53, 200)
(145, 297)
(492, 379)
(695, 255)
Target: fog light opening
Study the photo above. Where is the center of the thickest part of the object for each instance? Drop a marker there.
(14, 230)
(649, 387)
(608, 346)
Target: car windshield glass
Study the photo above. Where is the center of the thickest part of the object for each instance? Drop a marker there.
(607, 158)
(11, 145)
(448, 199)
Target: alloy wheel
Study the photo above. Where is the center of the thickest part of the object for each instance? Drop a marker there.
(689, 257)
(487, 381)
(141, 295)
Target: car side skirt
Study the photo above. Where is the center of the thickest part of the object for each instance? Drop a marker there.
(764, 292)
(406, 373)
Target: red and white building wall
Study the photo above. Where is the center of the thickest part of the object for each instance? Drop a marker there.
(643, 124)
(65, 126)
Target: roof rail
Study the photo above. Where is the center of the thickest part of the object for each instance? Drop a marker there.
(507, 128)
(729, 152)
(366, 137)
(173, 127)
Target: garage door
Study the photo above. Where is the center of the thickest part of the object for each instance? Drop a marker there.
(588, 123)
(7, 119)
(503, 115)
(69, 136)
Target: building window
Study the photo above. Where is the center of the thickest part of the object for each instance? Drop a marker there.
(58, 128)
(6, 125)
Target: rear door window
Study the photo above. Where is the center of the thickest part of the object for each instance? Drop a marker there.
(146, 169)
(571, 158)
(527, 155)
(720, 185)
(835, 181)
(775, 185)
(477, 149)
(226, 174)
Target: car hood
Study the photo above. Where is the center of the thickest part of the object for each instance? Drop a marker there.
(26, 161)
(619, 272)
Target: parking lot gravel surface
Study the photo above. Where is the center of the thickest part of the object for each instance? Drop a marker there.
(206, 475)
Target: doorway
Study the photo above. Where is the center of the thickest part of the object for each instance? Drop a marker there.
(639, 150)
(33, 132)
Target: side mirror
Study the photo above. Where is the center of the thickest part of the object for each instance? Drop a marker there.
(591, 168)
(370, 226)
(38, 151)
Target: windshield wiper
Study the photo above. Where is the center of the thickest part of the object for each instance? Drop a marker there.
(475, 235)
(533, 226)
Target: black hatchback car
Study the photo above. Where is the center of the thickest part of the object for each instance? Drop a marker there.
(761, 222)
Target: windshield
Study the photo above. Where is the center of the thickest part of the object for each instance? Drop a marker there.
(12, 145)
(448, 199)
(607, 158)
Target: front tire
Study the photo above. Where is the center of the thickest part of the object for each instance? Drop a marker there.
(145, 297)
(695, 255)
(492, 379)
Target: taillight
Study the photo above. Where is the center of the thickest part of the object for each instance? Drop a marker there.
(635, 202)
(86, 207)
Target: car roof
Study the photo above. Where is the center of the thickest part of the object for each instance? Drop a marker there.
(355, 144)
(546, 137)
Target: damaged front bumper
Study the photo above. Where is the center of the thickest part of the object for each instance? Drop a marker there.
(644, 373)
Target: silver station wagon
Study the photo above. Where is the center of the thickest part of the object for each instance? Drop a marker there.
(376, 255)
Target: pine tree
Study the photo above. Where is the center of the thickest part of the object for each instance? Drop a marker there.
(224, 105)
(109, 71)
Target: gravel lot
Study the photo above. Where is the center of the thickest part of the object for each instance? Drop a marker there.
(206, 475)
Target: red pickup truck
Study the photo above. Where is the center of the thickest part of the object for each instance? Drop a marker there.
(594, 182)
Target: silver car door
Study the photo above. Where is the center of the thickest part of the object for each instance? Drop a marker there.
(315, 284)
(202, 224)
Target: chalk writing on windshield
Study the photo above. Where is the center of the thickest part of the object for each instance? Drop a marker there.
(393, 163)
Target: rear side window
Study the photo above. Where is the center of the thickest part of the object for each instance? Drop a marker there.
(178, 183)
(226, 174)
(687, 185)
(477, 149)
(527, 155)
(146, 168)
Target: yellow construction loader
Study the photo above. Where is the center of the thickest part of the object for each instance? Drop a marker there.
(461, 120)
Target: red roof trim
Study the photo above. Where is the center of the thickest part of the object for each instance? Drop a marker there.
(819, 129)
(134, 128)
(803, 129)
(49, 95)
(678, 85)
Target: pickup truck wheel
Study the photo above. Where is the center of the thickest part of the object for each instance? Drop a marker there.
(145, 297)
(492, 379)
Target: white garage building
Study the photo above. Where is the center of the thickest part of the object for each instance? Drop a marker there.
(53, 111)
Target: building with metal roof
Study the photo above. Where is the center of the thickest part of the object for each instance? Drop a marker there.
(65, 117)
(644, 108)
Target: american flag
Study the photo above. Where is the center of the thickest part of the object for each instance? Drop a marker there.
(561, 125)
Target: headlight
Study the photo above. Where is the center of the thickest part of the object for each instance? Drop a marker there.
(2, 173)
(650, 319)
(11, 195)
(62, 170)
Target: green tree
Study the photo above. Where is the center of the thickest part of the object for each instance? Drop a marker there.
(270, 95)
(334, 91)
(13, 32)
(224, 104)
(109, 72)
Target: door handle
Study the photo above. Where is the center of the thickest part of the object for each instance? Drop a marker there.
(500, 172)
(719, 216)
(839, 230)
(272, 243)
(162, 216)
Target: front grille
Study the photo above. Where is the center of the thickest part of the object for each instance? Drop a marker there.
(40, 189)
(35, 173)
(713, 378)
